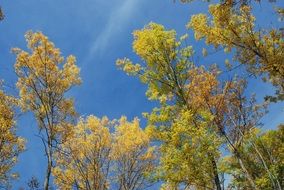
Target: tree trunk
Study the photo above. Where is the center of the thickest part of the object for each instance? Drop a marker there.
(49, 166)
(246, 172)
(271, 176)
(236, 153)
(215, 172)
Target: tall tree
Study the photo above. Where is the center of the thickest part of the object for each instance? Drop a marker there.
(43, 80)
(181, 87)
(166, 71)
(187, 152)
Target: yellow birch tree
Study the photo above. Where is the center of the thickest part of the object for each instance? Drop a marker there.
(43, 79)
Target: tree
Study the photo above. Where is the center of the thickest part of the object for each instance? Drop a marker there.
(231, 25)
(84, 159)
(93, 157)
(181, 87)
(43, 80)
(166, 71)
(187, 152)
(262, 152)
(134, 158)
(261, 50)
(11, 145)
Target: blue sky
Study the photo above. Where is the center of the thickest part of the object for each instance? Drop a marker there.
(98, 32)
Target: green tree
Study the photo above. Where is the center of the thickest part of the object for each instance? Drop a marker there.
(263, 153)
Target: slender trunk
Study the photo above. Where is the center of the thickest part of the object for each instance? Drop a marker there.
(49, 166)
(238, 156)
(215, 172)
(236, 153)
(271, 176)
(246, 172)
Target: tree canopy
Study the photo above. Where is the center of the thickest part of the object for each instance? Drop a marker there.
(204, 131)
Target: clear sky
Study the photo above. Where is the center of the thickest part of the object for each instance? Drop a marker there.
(98, 32)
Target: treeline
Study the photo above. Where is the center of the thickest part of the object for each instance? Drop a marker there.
(204, 134)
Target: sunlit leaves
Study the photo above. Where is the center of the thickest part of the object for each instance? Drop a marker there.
(11, 145)
(187, 151)
(101, 153)
(43, 80)
(263, 153)
(260, 50)
(165, 61)
(83, 160)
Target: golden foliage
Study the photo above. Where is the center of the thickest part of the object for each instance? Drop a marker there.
(43, 80)
(93, 157)
(11, 145)
(260, 50)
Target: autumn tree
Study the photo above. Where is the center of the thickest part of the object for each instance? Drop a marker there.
(43, 80)
(84, 159)
(261, 50)
(232, 26)
(11, 145)
(184, 88)
(234, 29)
(166, 71)
(133, 156)
(101, 154)
(187, 152)
(262, 152)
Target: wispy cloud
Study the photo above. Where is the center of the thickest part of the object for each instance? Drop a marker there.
(116, 21)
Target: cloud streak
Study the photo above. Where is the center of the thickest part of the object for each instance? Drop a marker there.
(116, 21)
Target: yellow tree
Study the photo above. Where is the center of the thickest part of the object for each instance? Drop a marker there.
(166, 71)
(83, 160)
(101, 154)
(231, 25)
(181, 87)
(43, 80)
(261, 50)
(134, 158)
(187, 152)
(10, 144)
